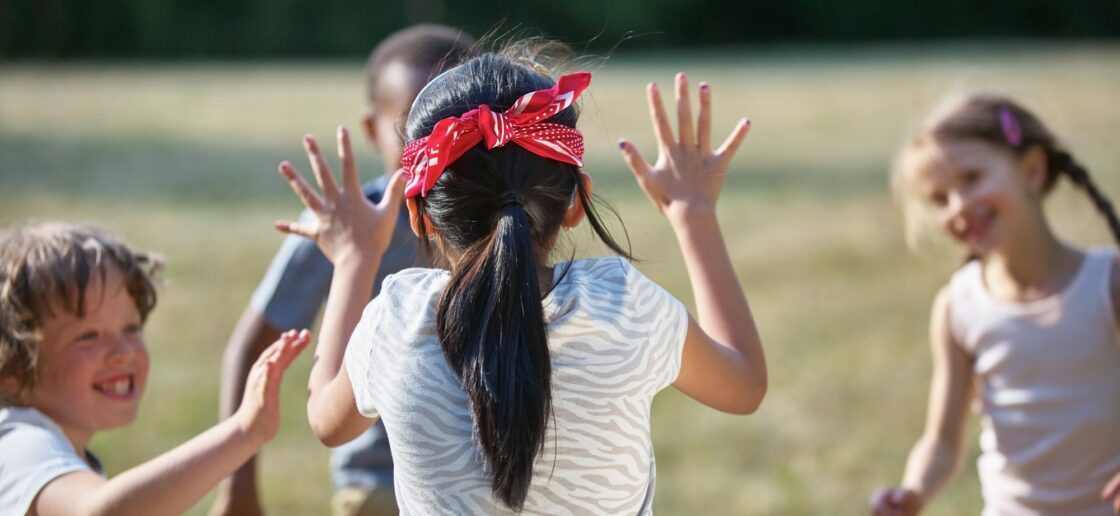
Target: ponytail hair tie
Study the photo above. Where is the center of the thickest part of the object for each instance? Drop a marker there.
(1010, 125)
(508, 198)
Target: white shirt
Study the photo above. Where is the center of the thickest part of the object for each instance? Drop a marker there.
(615, 339)
(1048, 376)
(33, 451)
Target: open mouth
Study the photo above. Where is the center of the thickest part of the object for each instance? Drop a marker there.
(120, 387)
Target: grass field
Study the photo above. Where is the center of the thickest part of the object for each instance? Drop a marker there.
(181, 159)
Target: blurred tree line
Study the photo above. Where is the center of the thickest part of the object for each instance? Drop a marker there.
(314, 28)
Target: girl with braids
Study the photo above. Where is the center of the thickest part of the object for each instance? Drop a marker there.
(510, 384)
(1029, 322)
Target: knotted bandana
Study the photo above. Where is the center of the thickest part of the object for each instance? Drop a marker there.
(425, 159)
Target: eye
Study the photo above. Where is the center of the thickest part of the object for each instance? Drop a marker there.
(132, 329)
(970, 177)
(939, 199)
(88, 338)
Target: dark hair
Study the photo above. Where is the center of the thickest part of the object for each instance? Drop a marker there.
(427, 47)
(49, 267)
(977, 116)
(500, 211)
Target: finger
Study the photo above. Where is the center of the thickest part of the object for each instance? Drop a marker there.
(1112, 489)
(657, 114)
(346, 156)
(638, 165)
(292, 348)
(394, 192)
(297, 228)
(301, 188)
(684, 110)
(320, 168)
(704, 121)
(727, 150)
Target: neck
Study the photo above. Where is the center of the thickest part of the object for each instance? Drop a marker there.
(1032, 264)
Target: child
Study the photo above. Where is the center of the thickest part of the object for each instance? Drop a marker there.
(1029, 320)
(73, 301)
(507, 384)
(292, 291)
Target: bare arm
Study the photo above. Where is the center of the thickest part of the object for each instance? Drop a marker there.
(723, 364)
(353, 234)
(237, 495)
(172, 482)
(935, 458)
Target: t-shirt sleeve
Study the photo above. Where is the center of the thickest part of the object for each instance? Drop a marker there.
(31, 457)
(667, 321)
(359, 359)
(295, 284)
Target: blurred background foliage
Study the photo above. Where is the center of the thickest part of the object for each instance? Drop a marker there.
(315, 28)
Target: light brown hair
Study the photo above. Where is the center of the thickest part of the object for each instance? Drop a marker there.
(999, 121)
(48, 267)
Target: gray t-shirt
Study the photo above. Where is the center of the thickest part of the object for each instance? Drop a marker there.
(615, 339)
(33, 451)
(290, 296)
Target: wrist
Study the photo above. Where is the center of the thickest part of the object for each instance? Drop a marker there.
(684, 216)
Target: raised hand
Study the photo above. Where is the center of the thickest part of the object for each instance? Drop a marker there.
(687, 174)
(346, 223)
(259, 413)
(895, 501)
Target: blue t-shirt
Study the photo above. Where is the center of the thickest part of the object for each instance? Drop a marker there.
(291, 295)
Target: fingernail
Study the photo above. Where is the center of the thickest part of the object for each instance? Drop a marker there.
(653, 85)
(342, 130)
(746, 121)
(704, 86)
(682, 76)
(622, 144)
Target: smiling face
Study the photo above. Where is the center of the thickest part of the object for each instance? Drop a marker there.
(976, 193)
(93, 369)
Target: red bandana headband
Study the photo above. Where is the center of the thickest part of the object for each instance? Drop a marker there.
(425, 159)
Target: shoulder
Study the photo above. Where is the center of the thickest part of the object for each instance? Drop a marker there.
(414, 282)
(942, 331)
(33, 452)
(1114, 284)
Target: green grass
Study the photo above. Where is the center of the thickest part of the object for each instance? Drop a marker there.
(181, 159)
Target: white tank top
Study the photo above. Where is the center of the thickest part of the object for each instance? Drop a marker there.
(1048, 386)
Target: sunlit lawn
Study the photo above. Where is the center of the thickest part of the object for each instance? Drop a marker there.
(181, 159)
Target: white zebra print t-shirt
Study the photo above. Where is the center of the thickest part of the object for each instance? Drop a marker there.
(616, 339)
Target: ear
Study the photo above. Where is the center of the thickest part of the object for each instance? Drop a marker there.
(575, 213)
(370, 128)
(414, 218)
(1035, 167)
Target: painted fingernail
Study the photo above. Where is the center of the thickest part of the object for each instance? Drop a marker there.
(341, 130)
(704, 86)
(622, 144)
(682, 76)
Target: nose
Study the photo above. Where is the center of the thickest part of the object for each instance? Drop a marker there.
(120, 349)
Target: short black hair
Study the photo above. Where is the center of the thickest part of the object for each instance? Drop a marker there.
(428, 47)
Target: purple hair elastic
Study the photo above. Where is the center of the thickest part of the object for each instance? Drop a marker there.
(1011, 130)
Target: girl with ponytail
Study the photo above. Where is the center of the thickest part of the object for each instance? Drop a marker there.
(1029, 322)
(510, 383)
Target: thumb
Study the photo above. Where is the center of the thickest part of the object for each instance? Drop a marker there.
(394, 192)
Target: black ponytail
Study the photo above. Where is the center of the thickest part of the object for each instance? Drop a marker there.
(492, 329)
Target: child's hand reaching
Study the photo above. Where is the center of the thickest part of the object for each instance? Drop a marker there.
(346, 223)
(259, 413)
(896, 501)
(688, 175)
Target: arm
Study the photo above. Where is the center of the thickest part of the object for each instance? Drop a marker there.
(174, 481)
(1111, 490)
(723, 364)
(238, 494)
(935, 458)
(353, 233)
